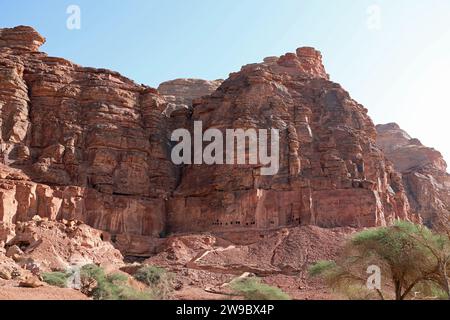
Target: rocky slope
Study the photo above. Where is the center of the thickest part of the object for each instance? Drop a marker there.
(91, 145)
(424, 172)
(281, 258)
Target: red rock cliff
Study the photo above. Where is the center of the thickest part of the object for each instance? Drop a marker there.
(424, 172)
(81, 143)
(332, 173)
(90, 144)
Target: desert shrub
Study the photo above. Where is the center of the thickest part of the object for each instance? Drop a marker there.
(358, 291)
(409, 257)
(57, 279)
(160, 281)
(102, 286)
(254, 289)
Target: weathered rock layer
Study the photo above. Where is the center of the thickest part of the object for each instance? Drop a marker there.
(84, 143)
(184, 91)
(89, 144)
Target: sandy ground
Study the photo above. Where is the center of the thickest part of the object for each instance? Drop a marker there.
(43, 293)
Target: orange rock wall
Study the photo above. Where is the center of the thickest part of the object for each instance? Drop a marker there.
(90, 144)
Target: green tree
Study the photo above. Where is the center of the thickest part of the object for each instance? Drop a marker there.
(408, 256)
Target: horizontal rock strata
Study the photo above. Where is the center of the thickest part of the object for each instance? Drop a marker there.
(424, 173)
(91, 145)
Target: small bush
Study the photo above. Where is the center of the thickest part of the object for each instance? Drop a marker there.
(57, 279)
(150, 275)
(254, 289)
(160, 281)
(109, 287)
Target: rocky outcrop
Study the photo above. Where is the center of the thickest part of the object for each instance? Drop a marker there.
(91, 145)
(21, 38)
(424, 172)
(184, 91)
(41, 245)
(331, 172)
(29, 250)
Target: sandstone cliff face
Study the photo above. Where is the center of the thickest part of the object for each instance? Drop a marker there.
(89, 144)
(331, 172)
(41, 245)
(180, 94)
(423, 169)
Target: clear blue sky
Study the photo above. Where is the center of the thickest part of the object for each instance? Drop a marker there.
(399, 71)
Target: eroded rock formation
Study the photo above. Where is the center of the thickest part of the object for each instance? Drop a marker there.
(424, 172)
(89, 144)
(331, 172)
(184, 91)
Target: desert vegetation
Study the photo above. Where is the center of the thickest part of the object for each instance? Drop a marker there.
(56, 278)
(254, 289)
(97, 284)
(413, 261)
(101, 286)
